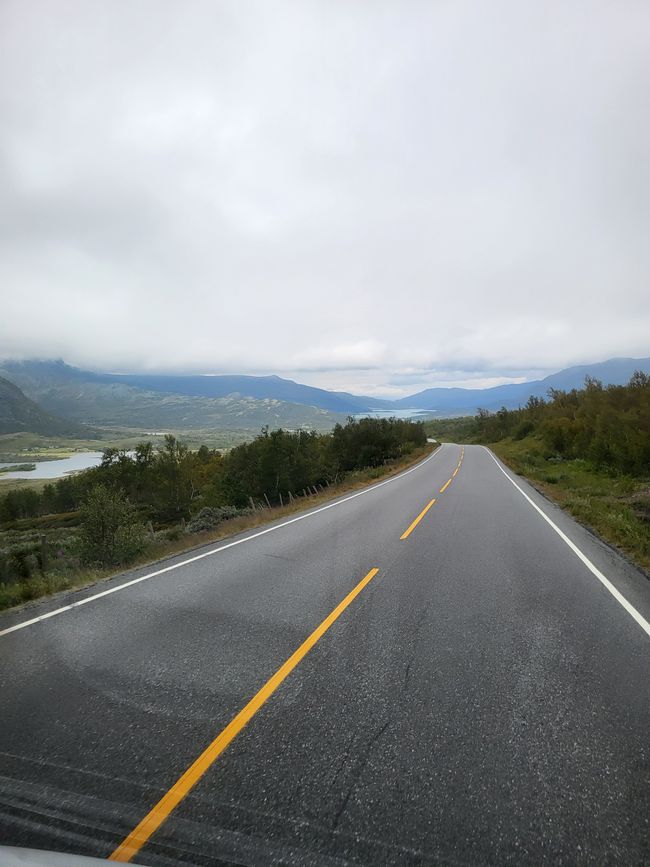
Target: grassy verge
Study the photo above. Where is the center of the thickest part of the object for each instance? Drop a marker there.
(17, 593)
(616, 507)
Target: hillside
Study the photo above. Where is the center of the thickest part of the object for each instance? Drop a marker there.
(615, 371)
(85, 397)
(249, 402)
(18, 413)
(260, 387)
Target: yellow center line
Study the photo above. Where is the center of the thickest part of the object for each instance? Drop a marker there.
(132, 844)
(454, 472)
(414, 524)
(445, 486)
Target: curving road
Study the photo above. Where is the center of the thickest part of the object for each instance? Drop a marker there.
(351, 686)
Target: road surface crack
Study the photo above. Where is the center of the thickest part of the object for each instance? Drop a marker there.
(280, 557)
(362, 762)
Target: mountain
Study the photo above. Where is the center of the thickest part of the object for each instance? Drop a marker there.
(250, 402)
(18, 414)
(445, 401)
(261, 387)
(104, 400)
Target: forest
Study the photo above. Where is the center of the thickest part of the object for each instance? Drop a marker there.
(608, 426)
(133, 501)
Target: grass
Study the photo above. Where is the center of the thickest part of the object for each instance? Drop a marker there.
(19, 446)
(458, 430)
(17, 593)
(21, 468)
(7, 485)
(44, 585)
(616, 507)
(34, 447)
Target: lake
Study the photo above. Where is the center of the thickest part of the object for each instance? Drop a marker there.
(54, 469)
(415, 414)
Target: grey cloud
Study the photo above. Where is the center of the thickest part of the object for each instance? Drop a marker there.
(366, 196)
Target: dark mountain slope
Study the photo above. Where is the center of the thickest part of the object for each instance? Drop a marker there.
(18, 413)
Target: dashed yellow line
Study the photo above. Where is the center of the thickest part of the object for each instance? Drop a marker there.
(414, 523)
(132, 844)
(141, 834)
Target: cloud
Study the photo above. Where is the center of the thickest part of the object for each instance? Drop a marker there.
(360, 195)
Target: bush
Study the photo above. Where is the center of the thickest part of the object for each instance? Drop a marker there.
(523, 429)
(110, 535)
(607, 426)
(210, 517)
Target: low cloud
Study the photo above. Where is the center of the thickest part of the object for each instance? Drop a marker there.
(374, 197)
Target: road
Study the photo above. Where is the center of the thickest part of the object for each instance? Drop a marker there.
(480, 697)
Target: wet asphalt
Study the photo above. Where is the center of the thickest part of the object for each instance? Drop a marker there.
(485, 700)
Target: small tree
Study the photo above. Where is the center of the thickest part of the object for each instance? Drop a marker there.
(111, 535)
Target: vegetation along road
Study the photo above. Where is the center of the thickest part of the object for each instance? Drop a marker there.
(442, 668)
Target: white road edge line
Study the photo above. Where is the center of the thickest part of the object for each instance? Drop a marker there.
(133, 581)
(631, 610)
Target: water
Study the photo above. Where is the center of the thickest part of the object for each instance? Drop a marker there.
(415, 414)
(54, 469)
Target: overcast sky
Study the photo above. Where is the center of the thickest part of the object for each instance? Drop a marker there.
(375, 196)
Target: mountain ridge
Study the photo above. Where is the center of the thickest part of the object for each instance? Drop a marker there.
(613, 371)
(250, 402)
(97, 399)
(260, 387)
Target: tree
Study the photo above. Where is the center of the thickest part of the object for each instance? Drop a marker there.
(174, 466)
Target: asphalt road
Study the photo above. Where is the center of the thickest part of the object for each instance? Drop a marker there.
(483, 699)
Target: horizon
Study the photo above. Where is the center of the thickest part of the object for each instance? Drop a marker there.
(271, 374)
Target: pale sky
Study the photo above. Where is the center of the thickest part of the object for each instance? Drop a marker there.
(370, 196)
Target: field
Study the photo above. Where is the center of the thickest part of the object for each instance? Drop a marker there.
(19, 446)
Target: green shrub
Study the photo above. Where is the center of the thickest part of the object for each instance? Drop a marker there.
(523, 429)
(210, 517)
(110, 534)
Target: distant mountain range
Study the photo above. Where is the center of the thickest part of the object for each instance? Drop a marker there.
(616, 371)
(260, 387)
(147, 401)
(105, 400)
